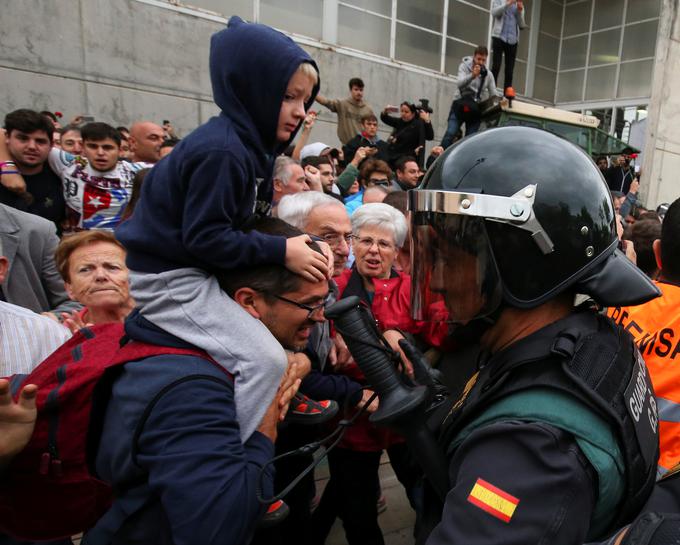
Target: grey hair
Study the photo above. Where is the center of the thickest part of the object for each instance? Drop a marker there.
(383, 216)
(281, 170)
(295, 209)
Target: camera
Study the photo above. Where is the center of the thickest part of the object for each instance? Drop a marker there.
(483, 71)
(424, 105)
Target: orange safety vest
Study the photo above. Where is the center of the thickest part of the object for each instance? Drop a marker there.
(655, 327)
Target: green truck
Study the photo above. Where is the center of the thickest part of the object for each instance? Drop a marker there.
(582, 130)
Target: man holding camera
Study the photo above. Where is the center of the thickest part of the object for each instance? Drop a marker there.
(474, 84)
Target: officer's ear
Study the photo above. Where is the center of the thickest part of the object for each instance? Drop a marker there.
(656, 248)
(248, 299)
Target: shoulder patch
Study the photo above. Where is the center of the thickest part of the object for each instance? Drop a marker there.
(493, 500)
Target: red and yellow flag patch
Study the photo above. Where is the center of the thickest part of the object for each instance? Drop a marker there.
(493, 500)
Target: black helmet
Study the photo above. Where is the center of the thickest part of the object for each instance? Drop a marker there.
(516, 215)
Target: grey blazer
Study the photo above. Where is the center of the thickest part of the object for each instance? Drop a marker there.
(29, 242)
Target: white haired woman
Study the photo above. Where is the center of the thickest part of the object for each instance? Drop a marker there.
(379, 230)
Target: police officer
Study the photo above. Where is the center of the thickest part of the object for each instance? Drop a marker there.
(555, 438)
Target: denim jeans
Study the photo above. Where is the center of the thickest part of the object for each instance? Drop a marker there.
(454, 124)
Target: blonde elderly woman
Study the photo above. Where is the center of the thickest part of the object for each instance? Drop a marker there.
(379, 230)
(92, 264)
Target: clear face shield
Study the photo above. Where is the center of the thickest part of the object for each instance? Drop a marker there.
(454, 274)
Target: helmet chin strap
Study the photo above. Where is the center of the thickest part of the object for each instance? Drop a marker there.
(472, 332)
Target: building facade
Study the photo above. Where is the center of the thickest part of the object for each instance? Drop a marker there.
(122, 60)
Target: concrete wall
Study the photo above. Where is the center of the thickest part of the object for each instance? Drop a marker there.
(124, 60)
(661, 166)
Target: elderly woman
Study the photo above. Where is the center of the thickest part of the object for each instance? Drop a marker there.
(379, 230)
(92, 264)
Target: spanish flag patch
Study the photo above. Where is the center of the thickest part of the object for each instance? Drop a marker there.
(493, 500)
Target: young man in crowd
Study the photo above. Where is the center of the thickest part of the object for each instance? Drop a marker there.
(96, 184)
(367, 137)
(28, 184)
(474, 84)
(407, 174)
(349, 110)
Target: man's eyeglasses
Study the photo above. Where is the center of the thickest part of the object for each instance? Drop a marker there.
(368, 242)
(333, 239)
(311, 310)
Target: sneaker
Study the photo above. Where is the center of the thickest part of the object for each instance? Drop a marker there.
(304, 410)
(509, 92)
(275, 514)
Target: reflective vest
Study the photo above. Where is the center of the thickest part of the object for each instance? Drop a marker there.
(655, 326)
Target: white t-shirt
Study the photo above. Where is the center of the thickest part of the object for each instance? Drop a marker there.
(94, 199)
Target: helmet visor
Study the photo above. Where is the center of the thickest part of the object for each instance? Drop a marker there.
(454, 275)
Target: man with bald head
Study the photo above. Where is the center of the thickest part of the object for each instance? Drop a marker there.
(145, 142)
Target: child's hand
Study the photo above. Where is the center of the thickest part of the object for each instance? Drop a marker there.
(303, 260)
(330, 258)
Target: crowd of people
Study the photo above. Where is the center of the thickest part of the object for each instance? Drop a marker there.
(191, 277)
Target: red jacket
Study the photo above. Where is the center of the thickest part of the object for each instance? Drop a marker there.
(391, 308)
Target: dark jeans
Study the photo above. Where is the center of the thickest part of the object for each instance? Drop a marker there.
(454, 125)
(498, 49)
(351, 493)
(294, 528)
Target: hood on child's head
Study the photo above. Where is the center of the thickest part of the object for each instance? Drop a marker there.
(250, 66)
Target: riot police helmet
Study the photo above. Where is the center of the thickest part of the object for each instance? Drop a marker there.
(515, 216)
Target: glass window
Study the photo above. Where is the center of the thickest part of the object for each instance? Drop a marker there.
(527, 14)
(379, 6)
(486, 4)
(635, 79)
(523, 46)
(418, 47)
(605, 117)
(577, 18)
(608, 13)
(519, 76)
(544, 84)
(299, 16)
(547, 51)
(455, 51)
(573, 52)
(363, 31)
(551, 18)
(242, 8)
(467, 23)
(570, 86)
(426, 14)
(639, 40)
(604, 47)
(576, 135)
(600, 83)
(642, 9)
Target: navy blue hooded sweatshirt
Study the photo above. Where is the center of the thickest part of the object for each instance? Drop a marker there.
(195, 201)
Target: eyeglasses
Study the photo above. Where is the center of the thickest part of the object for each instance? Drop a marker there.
(379, 181)
(311, 310)
(333, 239)
(368, 242)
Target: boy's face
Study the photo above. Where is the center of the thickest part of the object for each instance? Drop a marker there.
(370, 127)
(102, 154)
(297, 94)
